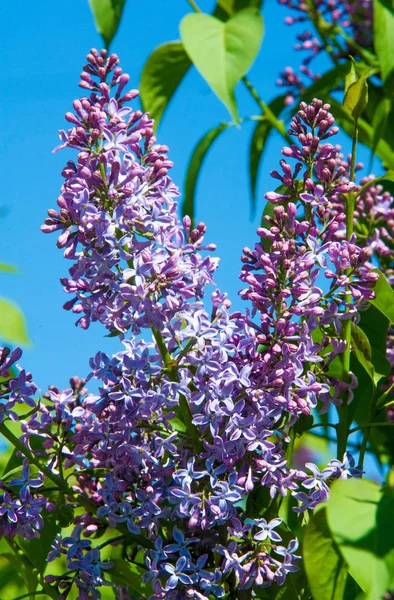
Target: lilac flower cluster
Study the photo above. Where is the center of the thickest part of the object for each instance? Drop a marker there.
(354, 17)
(84, 564)
(16, 386)
(286, 270)
(188, 431)
(21, 505)
(134, 263)
(374, 230)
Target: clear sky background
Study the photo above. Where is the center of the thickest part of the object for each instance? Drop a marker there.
(43, 48)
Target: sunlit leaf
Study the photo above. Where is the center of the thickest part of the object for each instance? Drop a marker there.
(233, 6)
(379, 123)
(388, 176)
(107, 15)
(7, 268)
(356, 91)
(12, 324)
(319, 548)
(383, 28)
(362, 349)
(360, 517)
(161, 76)
(223, 52)
(384, 296)
(130, 575)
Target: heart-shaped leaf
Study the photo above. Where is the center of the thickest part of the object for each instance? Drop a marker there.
(223, 52)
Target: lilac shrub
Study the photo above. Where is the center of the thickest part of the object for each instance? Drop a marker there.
(184, 453)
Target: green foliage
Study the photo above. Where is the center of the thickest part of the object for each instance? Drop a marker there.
(107, 15)
(363, 352)
(161, 76)
(324, 565)
(375, 326)
(194, 167)
(7, 268)
(388, 176)
(384, 36)
(234, 44)
(356, 91)
(360, 517)
(384, 300)
(12, 324)
(129, 574)
(233, 6)
(379, 122)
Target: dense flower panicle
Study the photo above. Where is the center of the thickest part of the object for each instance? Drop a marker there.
(354, 17)
(134, 262)
(193, 426)
(299, 322)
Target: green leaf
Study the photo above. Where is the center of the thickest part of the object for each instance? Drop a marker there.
(233, 6)
(324, 565)
(356, 92)
(223, 52)
(388, 176)
(360, 517)
(360, 407)
(375, 325)
(384, 299)
(379, 123)
(199, 153)
(178, 425)
(383, 27)
(107, 15)
(129, 574)
(12, 324)
(7, 268)
(161, 76)
(351, 75)
(259, 139)
(363, 351)
(20, 572)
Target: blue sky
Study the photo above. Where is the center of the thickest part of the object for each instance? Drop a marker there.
(43, 50)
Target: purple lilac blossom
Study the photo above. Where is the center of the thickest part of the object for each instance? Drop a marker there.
(187, 426)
